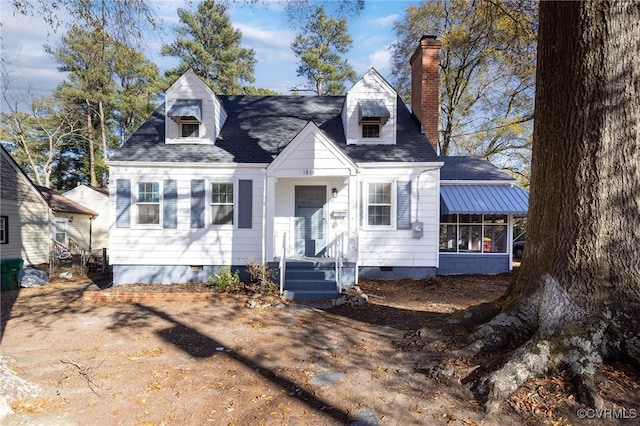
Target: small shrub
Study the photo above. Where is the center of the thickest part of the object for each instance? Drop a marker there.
(263, 276)
(225, 280)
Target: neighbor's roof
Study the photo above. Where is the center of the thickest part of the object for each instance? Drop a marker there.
(259, 127)
(460, 168)
(103, 191)
(60, 203)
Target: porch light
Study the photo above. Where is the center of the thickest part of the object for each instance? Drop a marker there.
(334, 192)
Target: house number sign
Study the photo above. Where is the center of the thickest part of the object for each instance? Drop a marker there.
(308, 172)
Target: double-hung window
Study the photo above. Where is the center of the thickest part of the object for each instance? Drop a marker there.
(221, 203)
(4, 229)
(379, 204)
(60, 231)
(148, 203)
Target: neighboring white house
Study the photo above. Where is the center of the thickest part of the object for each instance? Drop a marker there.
(211, 180)
(71, 223)
(97, 199)
(24, 216)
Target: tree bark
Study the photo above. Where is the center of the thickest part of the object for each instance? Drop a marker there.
(576, 299)
(103, 132)
(92, 155)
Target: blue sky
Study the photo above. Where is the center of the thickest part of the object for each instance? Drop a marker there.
(264, 27)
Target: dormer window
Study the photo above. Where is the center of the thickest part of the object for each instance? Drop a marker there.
(189, 129)
(370, 127)
(372, 114)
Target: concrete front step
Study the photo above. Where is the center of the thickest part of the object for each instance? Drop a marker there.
(313, 279)
(309, 281)
(309, 295)
(311, 284)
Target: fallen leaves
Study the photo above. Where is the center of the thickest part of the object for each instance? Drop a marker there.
(34, 406)
(146, 353)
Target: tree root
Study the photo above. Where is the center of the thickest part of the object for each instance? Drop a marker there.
(528, 361)
(538, 356)
(494, 335)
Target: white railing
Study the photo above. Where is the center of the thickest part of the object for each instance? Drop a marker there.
(283, 262)
(58, 248)
(339, 255)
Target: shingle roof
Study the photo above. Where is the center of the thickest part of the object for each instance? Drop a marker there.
(60, 203)
(470, 168)
(259, 127)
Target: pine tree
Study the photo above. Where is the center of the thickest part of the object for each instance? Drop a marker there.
(208, 44)
(321, 47)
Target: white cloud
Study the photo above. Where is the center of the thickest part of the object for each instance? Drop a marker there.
(270, 45)
(275, 61)
(385, 21)
(381, 60)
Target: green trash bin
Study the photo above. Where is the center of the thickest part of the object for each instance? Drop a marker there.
(9, 273)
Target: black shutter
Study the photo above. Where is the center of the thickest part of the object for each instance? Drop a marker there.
(123, 203)
(197, 203)
(245, 204)
(404, 205)
(170, 204)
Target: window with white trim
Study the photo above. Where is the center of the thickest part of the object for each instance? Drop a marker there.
(379, 203)
(221, 203)
(148, 203)
(473, 233)
(4, 229)
(189, 129)
(60, 231)
(371, 127)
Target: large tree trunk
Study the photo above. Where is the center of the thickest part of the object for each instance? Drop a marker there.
(576, 299)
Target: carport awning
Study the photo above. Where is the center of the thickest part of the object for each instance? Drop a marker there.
(483, 199)
(186, 108)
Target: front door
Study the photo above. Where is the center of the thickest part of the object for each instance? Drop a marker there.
(309, 220)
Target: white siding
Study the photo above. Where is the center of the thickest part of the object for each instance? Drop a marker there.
(391, 247)
(98, 202)
(78, 229)
(377, 247)
(212, 245)
(311, 154)
(370, 87)
(28, 218)
(189, 86)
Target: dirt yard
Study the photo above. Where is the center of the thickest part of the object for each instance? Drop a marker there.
(91, 356)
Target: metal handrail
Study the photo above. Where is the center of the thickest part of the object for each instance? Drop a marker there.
(283, 262)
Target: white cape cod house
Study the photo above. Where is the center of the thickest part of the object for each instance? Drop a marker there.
(211, 180)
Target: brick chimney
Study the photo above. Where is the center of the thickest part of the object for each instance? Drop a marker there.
(425, 86)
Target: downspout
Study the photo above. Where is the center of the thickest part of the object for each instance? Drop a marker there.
(437, 248)
(90, 232)
(264, 219)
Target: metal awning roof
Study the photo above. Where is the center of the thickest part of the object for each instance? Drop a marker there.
(483, 199)
(186, 108)
(373, 109)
